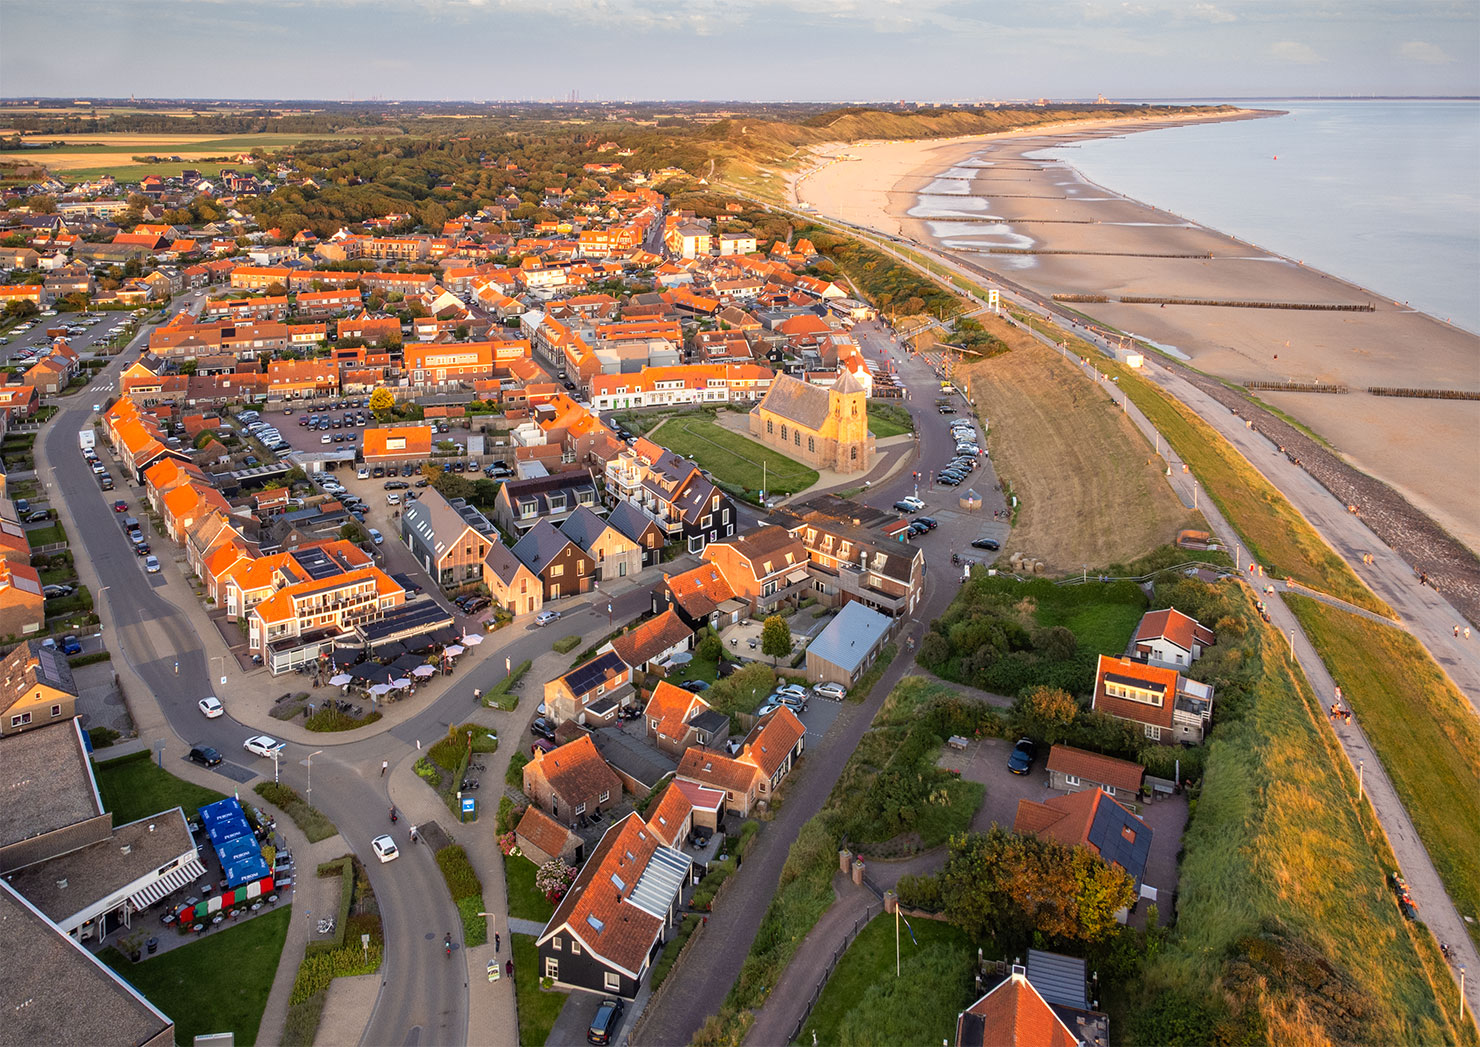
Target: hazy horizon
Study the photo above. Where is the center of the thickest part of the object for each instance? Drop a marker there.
(758, 50)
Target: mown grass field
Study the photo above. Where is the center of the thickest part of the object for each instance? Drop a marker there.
(134, 787)
(886, 420)
(91, 155)
(929, 1005)
(1284, 916)
(1423, 730)
(1071, 457)
(218, 984)
(731, 458)
(1274, 532)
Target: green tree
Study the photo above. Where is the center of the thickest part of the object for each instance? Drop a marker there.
(1045, 714)
(21, 307)
(354, 532)
(709, 648)
(776, 638)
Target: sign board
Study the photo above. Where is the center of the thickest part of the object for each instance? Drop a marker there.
(994, 300)
(469, 805)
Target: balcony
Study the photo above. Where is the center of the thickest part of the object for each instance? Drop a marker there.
(854, 583)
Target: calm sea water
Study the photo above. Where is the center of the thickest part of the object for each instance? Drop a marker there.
(1385, 194)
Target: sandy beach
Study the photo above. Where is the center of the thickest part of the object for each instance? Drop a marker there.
(1036, 222)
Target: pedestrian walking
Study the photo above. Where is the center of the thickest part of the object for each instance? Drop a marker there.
(1467, 632)
(497, 943)
(413, 834)
(383, 765)
(1456, 635)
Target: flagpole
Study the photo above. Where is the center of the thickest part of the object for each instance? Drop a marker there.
(896, 940)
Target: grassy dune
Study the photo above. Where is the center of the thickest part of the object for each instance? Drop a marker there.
(1070, 455)
(1423, 730)
(1286, 930)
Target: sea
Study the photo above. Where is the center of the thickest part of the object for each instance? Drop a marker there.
(1383, 193)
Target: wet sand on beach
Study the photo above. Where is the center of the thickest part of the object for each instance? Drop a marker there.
(978, 196)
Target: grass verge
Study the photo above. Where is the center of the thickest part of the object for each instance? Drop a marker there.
(1422, 729)
(135, 787)
(1276, 535)
(314, 822)
(218, 984)
(537, 1009)
(887, 419)
(467, 892)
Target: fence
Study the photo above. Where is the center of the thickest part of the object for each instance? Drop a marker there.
(858, 925)
(1424, 394)
(1298, 387)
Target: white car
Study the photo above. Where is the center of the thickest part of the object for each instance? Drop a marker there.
(385, 849)
(911, 500)
(211, 706)
(151, 564)
(546, 617)
(376, 536)
(393, 499)
(834, 691)
(262, 745)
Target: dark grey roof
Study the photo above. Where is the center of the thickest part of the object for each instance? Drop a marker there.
(407, 620)
(436, 523)
(800, 402)
(709, 720)
(51, 667)
(583, 527)
(630, 520)
(632, 757)
(1108, 832)
(500, 559)
(61, 993)
(540, 545)
(693, 501)
(48, 783)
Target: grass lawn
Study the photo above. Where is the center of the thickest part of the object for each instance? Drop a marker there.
(1275, 533)
(885, 420)
(135, 787)
(47, 535)
(218, 984)
(868, 965)
(537, 1010)
(525, 901)
(731, 458)
(1103, 627)
(1423, 731)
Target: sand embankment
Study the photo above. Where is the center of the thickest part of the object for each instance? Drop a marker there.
(982, 197)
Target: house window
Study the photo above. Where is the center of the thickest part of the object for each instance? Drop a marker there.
(769, 426)
(855, 454)
(783, 433)
(580, 808)
(21, 720)
(555, 943)
(622, 569)
(797, 437)
(56, 710)
(654, 723)
(613, 981)
(606, 794)
(575, 947)
(552, 967)
(1070, 779)
(1153, 732)
(580, 567)
(557, 570)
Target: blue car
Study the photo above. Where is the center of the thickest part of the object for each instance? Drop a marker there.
(71, 645)
(1023, 755)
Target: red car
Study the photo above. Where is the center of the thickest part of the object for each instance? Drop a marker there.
(120, 506)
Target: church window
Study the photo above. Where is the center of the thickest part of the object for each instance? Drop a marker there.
(783, 431)
(811, 444)
(797, 437)
(770, 427)
(855, 454)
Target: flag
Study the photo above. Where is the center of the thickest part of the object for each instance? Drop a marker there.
(909, 928)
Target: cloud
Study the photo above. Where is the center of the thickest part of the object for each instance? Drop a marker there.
(1293, 51)
(1425, 52)
(1210, 13)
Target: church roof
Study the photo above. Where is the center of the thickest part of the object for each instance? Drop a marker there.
(796, 401)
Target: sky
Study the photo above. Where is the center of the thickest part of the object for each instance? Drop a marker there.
(803, 50)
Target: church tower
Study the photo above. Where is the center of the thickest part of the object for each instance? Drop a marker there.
(850, 413)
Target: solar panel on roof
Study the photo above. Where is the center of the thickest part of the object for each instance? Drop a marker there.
(585, 677)
(1108, 833)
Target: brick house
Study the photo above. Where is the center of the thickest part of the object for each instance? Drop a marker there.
(572, 781)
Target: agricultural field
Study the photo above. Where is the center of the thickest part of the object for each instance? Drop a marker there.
(87, 155)
(733, 459)
(1070, 456)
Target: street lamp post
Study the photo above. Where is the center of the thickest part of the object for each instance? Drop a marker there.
(310, 774)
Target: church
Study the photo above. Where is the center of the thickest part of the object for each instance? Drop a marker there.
(822, 428)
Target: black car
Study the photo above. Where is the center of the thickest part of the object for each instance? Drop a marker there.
(695, 685)
(205, 755)
(928, 521)
(949, 481)
(604, 1024)
(476, 604)
(917, 529)
(1023, 755)
(543, 728)
(986, 543)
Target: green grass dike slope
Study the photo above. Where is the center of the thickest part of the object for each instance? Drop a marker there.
(1286, 931)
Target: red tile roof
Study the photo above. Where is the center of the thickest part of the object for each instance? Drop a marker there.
(1096, 768)
(670, 815)
(542, 831)
(1151, 678)
(576, 771)
(597, 909)
(1013, 1015)
(774, 737)
(1171, 624)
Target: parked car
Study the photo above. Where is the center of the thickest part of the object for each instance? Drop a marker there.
(603, 1028)
(835, 692)
(906, 507)
(543, 728)
(52, 592)
(71, 644)
(392, 499)
(546, 617)
(1022, 757)
(204, 755)
(928, 521)
(151, 564)
(385, 849)
(915, 503)
(262, 745)
(695, 685)
(986, 543)
(376, 536)
(211, 707)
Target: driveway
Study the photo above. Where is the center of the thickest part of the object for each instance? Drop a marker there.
(985, 761)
